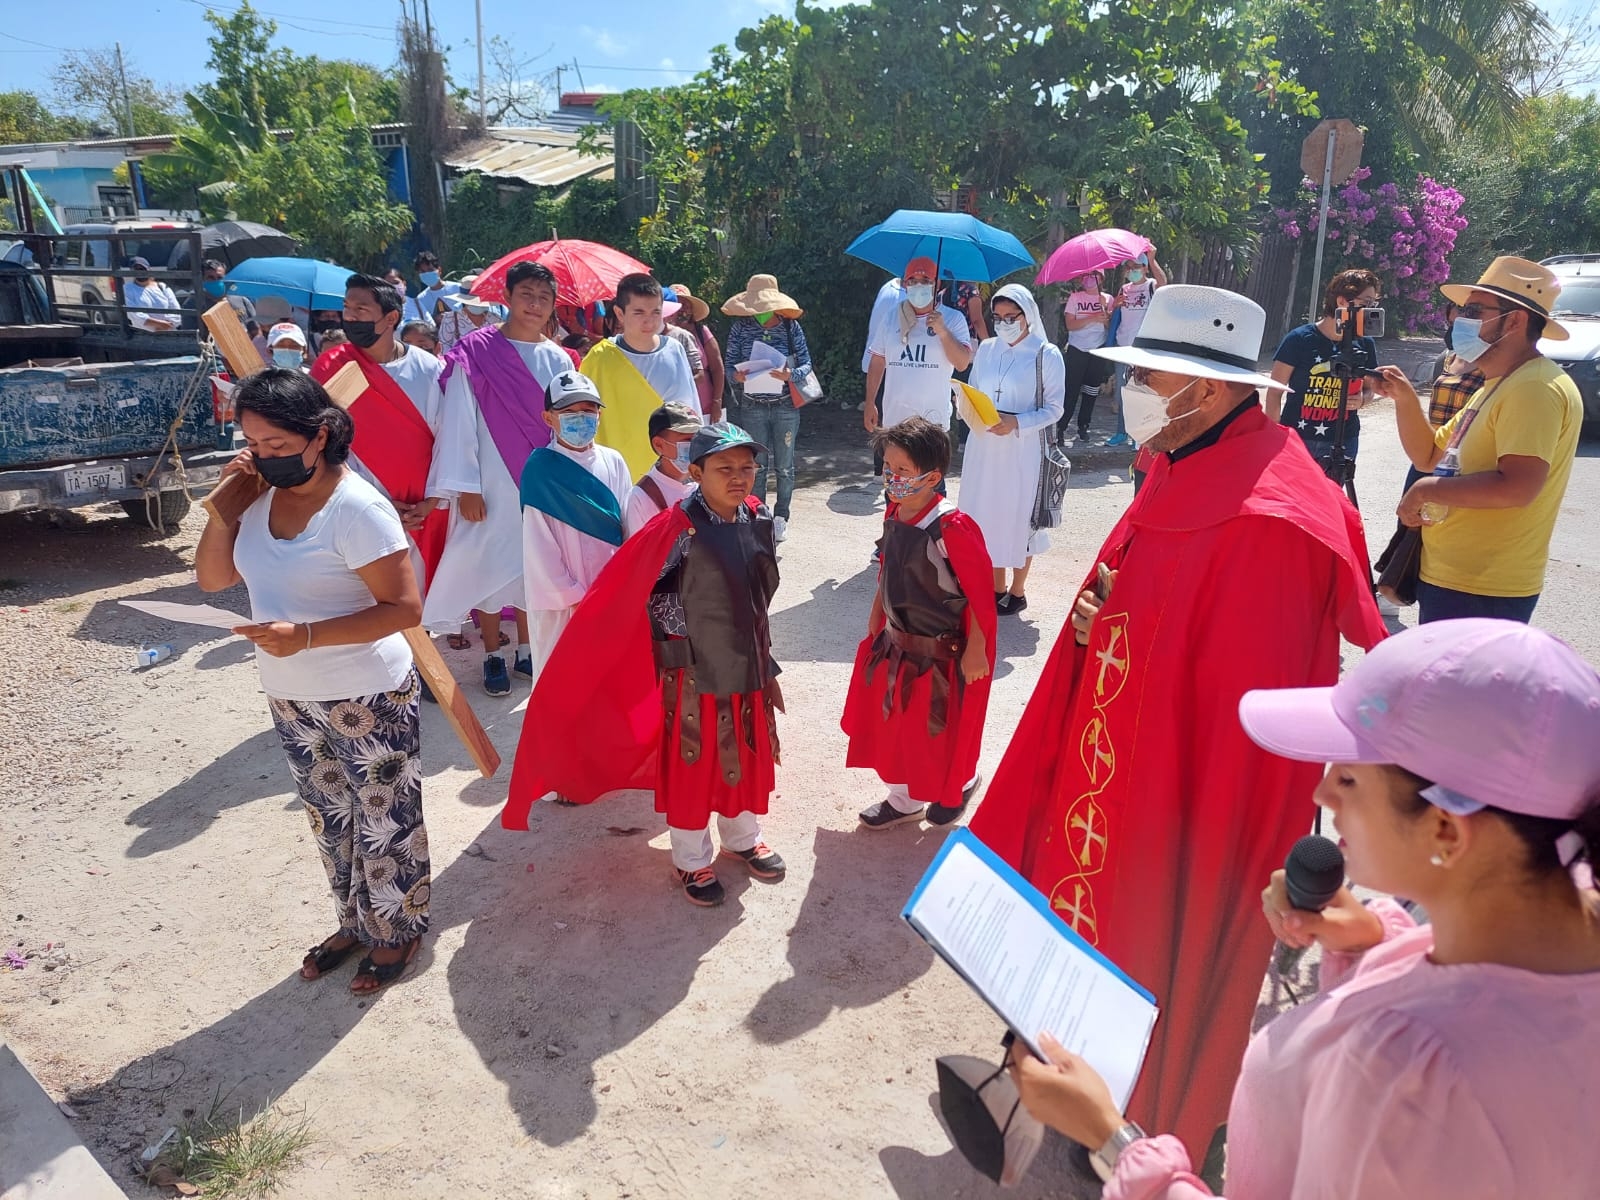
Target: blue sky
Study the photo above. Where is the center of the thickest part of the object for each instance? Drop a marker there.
(618, 44)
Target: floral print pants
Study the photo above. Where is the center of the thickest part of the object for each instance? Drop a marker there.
(356, 765)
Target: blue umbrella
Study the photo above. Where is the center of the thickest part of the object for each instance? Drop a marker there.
(304, 281)
(963, 246)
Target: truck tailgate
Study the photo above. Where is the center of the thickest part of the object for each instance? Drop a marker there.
(100, 410)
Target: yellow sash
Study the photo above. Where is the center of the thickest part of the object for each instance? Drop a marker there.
(629, 401)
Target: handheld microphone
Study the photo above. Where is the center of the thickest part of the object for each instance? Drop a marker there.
(1313, 874)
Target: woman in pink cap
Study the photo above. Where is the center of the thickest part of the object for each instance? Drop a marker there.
(1452, 1060)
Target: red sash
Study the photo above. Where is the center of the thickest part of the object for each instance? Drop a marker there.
(394, 442)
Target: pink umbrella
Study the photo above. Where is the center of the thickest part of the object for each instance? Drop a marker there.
(584, 271)
(1092, 251)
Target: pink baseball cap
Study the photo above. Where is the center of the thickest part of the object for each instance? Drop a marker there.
(1494, 712)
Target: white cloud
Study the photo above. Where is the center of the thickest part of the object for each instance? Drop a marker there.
(668, 65)
(605, 41)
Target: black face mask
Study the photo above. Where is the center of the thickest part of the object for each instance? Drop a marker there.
(284, 470)
(985, 1118)
(362, 333)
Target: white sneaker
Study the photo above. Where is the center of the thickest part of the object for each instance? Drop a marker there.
(780, 528)
(1387, 607)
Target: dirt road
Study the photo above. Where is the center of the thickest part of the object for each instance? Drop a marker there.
(575, 1029)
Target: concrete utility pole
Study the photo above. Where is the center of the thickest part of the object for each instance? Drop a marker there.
(127, 100)
(483, 107)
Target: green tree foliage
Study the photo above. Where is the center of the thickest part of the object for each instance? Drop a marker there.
(87, 86)
(251, 75)
(24, 118)
(1416, 75)
(811, 129)
(482, 223)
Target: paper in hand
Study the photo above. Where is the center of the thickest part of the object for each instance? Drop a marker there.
(208, 615)
(763, 358)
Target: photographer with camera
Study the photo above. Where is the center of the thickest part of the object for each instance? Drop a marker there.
(1305, 361)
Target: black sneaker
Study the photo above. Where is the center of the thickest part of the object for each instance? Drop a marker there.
(883, 814)
(763, 861)
(1014, 604)
(701, 887)
(427, 692)
(1000, 601)
(523, 666)
(495, 680)
(948, 814)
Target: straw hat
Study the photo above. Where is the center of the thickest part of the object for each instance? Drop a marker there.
(698, 308)
(760, 296)
(1524, 283)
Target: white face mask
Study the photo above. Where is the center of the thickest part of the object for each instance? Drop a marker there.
(1144, 410)
(1009, 331)
(920, 295)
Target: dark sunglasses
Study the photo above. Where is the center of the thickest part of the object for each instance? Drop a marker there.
(1474, 311)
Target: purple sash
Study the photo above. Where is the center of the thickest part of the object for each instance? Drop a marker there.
(509, 397)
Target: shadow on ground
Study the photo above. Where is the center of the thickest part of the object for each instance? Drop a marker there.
(849, 947)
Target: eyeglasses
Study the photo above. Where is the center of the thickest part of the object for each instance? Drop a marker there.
(1473, 311)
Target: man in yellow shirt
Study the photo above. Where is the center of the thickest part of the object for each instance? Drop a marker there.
(1486, 528)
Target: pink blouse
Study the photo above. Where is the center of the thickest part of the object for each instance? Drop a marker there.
(1405, 1080)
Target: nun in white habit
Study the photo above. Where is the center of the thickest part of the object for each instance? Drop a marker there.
(1025, 376)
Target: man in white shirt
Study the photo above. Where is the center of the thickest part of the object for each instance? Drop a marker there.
(424, 306)
(917, 348)
(145, 293)
(672, 428)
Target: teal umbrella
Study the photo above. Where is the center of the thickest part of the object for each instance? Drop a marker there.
(307, 282)
(962, 246)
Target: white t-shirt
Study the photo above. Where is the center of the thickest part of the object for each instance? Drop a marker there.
(420, 307)
(916, 370)
(152, 295)
(1135, 303)
(641, 507)
(313, 577)
(1088, 304)
(666, 369)
(889, 296)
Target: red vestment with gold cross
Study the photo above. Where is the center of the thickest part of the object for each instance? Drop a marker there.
(1130, 794)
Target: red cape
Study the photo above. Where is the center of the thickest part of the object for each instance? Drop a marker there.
(393, 439)
(1130, 794)
(900, 748)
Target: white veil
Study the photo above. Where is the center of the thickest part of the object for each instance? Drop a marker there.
(1023, 299)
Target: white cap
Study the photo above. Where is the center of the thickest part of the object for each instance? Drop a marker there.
(569, 388)
(286, 331)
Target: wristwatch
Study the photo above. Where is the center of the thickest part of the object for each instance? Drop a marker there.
(1104, 1160)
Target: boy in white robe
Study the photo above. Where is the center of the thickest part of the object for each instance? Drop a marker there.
(496, 381)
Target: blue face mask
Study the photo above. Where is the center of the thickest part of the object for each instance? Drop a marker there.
(681, 459)
(1466, 339)
(578, 429)
(430, 278)
(215, 287)
(288, 358)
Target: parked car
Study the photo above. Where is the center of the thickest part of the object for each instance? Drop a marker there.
(1578, 307)
(87, 246)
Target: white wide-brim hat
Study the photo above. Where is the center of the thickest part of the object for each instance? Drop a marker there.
(1204, 332)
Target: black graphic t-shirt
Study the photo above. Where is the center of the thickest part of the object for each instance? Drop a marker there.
(1312, 408)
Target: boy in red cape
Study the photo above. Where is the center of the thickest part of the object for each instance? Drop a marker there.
(920, 688)
(669, 659)
(1130, 795)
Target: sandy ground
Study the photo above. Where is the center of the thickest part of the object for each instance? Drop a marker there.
(574, 1029)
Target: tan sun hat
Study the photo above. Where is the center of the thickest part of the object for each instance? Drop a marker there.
(760, 296)
(697, 307)
(1520, 281)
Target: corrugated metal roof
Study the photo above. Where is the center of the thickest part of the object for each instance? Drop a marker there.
(538, 157)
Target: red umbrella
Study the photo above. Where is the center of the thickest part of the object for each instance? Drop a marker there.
(1092, 251)
(584, 271)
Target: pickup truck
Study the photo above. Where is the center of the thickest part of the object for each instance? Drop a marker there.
(92, 410)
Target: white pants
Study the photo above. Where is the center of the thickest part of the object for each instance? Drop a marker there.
(544, 631)
(900, 800)
(692, 848)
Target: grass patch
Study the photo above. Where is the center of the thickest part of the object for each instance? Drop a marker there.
(231, 1156)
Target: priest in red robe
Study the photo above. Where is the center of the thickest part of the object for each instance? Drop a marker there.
(1129, 794)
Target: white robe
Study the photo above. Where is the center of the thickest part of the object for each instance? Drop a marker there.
(1000, 472)
(559, 564)
(481, 567)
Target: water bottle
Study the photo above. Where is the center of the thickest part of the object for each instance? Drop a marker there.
(1449, 467)
(149, 656)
